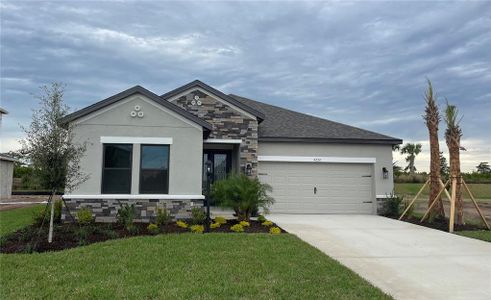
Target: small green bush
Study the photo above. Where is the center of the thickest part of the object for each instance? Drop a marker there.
(244, 224)
(153, 228)
(197, 228)
(275, 230)
(133, 229)
(215, 225)
(182, 224)
(82, 235)
(38, 216)
(237, 228)
(84, 216)
(267, 223)
(126, 215)
(163, 217)
(110, 234)
(261, 218)
(198, 216)
(220, 220)
(392, 205)
(57, 211)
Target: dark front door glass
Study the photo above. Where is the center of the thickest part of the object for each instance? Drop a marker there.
(222, 165)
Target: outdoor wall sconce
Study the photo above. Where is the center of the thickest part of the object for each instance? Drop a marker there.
(248, 169)
(385, 173)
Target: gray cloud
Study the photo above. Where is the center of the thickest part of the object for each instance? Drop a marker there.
(359, 63)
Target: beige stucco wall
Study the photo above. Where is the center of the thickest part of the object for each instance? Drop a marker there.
(6, 175)
(185, 158)
(382, 154)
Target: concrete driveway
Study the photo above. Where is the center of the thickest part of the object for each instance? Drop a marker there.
(404, 260)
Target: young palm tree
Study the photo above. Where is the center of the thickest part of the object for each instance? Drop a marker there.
(452, 137)
(432, 120)
(411, 150)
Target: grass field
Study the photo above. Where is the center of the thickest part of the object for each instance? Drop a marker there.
(480, 191)
(184, 266)
(11, 220)
(484, 235)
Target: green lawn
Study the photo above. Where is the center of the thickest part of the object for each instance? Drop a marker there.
(11, 220)
(210, 266)
(484, 235)
(480, 191)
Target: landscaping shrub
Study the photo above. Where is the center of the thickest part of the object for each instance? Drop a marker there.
(215, 225)
(243, 194)
(153, 228)
(220, 220)
(275, 230)
(57, 211)
(182, 224)
(82, 234)
(132, 229)
(126, 214)
(197, 228)
(110, 234)
(244, 224)
(261, 218)
(392, 205)
(267, 223)
(163, 217)
(84, 216)
(237, 228)
(38, 216)
(198, 216)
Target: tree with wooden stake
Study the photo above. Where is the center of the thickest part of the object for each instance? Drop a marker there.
(453, 133)
(432, 120)
(51, 148)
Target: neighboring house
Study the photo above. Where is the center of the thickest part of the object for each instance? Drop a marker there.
(6, 176)
(150, 150)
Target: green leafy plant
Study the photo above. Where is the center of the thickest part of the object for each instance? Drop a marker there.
(267, 223)
(126, 215)
(220, 220)
(110, 234)
(84, 216)
(197, 216)
(39, 215)
(243, 194)
(163, 217)
(275, 230)
(182, 224)
(215, 225)
(82, 235)
(57, 211)
(237, 228)
(153, 228)
(197, 228)
(244, 224)
(133, 229)
(261, 218)
(392, 205)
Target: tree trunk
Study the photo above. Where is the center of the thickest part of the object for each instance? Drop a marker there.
(50, 234)
(455, 173)
(437, 210)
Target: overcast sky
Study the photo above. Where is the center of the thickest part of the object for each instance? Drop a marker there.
(359, 63)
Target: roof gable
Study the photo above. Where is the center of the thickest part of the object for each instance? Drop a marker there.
(199, 84)
(282, 124)
(127, 93)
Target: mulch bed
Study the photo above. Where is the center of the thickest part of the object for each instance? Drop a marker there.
(441, 224)
(68, 235)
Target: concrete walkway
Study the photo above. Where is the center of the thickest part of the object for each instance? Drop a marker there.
(404, 260)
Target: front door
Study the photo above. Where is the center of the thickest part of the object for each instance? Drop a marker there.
(222, 165)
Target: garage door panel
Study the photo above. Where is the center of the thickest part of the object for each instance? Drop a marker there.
(339, 188)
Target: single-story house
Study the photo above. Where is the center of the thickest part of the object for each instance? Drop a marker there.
(151, 150)
(6, 176)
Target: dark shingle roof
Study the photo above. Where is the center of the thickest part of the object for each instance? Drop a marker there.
(285, 125)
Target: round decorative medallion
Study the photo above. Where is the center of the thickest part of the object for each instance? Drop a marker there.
(198, 102)
(133, 113)
(137, 107)
(193, 102)
(196, 97)
(140, 114)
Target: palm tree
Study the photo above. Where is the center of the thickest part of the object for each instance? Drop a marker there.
(452, 137)
(432, 120)
(411, 150)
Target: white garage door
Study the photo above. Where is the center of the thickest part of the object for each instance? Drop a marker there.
(300, 187)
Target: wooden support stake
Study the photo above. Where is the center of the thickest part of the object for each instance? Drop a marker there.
(451, 222)
(444, 188)
(446, 192)
(416, 197)
(475, 204)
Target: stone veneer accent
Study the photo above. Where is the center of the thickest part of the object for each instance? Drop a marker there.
(105, 210)
(227, 124)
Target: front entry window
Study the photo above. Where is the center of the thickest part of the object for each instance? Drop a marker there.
(154, 169)
(116, 170)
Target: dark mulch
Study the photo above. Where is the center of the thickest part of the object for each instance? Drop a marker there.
(31, 239)
(440, 224)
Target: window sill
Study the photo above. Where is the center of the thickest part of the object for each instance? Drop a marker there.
(138, 196)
